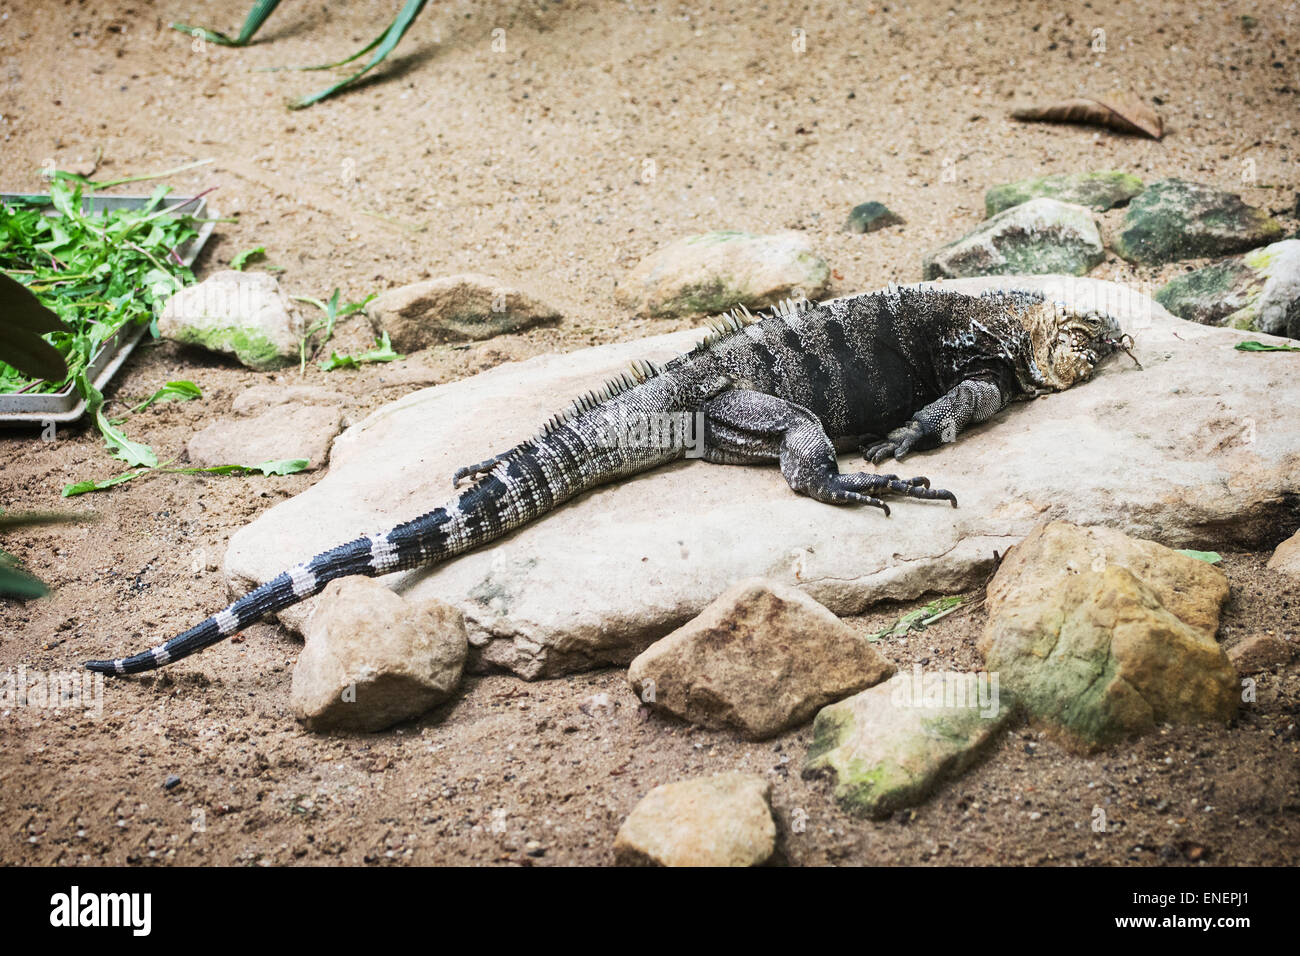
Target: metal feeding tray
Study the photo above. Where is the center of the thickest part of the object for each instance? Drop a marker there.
(68, 405)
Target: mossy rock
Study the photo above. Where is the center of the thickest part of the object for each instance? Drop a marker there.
(1174, 219)
(1256, 292)
(1039, 237)
(1100, 191)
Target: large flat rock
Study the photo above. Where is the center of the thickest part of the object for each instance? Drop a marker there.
(1198, 449)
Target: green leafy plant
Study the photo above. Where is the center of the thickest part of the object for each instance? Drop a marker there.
(1250, 345)
(333, 312)
(383, 352)
(97, 272)
(382, 45)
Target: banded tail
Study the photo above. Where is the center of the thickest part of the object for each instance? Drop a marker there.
(510, 490)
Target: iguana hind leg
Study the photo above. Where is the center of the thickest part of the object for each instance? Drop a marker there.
(745, 427)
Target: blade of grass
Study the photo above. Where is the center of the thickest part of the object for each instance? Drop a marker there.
(329, 66)
(256, 17)
(60, 174)
(405, 17)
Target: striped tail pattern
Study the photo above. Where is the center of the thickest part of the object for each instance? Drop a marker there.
(567, 458)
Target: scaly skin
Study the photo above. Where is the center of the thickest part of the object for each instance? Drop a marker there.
(891, 372)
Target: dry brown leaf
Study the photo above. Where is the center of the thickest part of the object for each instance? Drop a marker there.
(1117, 111)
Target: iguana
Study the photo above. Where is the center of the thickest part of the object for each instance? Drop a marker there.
(895, 371)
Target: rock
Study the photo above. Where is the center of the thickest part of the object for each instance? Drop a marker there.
(891, 745)
(1099, 191)
(1038, 236)
(1258, 292)
(724, 820)
(1106, 635)
(1172, 452)
(373, 659)
(455, 309)
(715, 271)
(261, 397)
(1174, 219)
(244, 314)
(283, 431)
(1259, 653)
(760, 659)
(1286, 557)
(870, 216)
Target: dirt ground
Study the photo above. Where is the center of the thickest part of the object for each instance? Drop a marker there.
(599, 133)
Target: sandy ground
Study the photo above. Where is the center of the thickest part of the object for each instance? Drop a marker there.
(599, 133)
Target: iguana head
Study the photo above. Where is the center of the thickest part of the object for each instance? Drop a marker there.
(1069, 343)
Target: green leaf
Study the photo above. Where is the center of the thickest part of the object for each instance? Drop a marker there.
(920, 618)
(1250, 345)
(382, 353)
(119, 446)
(405, 17)
(285, 466)
(180, 391)
(81, 487)
(243, 258)
(1209, 557)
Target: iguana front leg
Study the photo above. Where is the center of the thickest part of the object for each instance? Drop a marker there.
(973, 401)
(745, 427)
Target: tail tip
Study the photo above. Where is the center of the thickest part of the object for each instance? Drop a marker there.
(101, 667)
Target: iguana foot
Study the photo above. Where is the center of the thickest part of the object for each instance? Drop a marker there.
(862, 487)
(473, 471)
(898, 443)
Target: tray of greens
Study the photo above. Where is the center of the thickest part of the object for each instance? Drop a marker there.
(105, 265)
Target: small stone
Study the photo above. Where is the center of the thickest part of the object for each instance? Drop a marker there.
(1099, 191)
(244, 314)
(760, 659)
(1174, 219)
(455, 308)
(870, 216)
(724, 820)
(171, 782)
(713, 272)
(1286, 557)
(373, 659)
(1106, 635)
(281, 432)
(1257, 292)
(890, 746)
(1260, 652)
(1036, 237)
